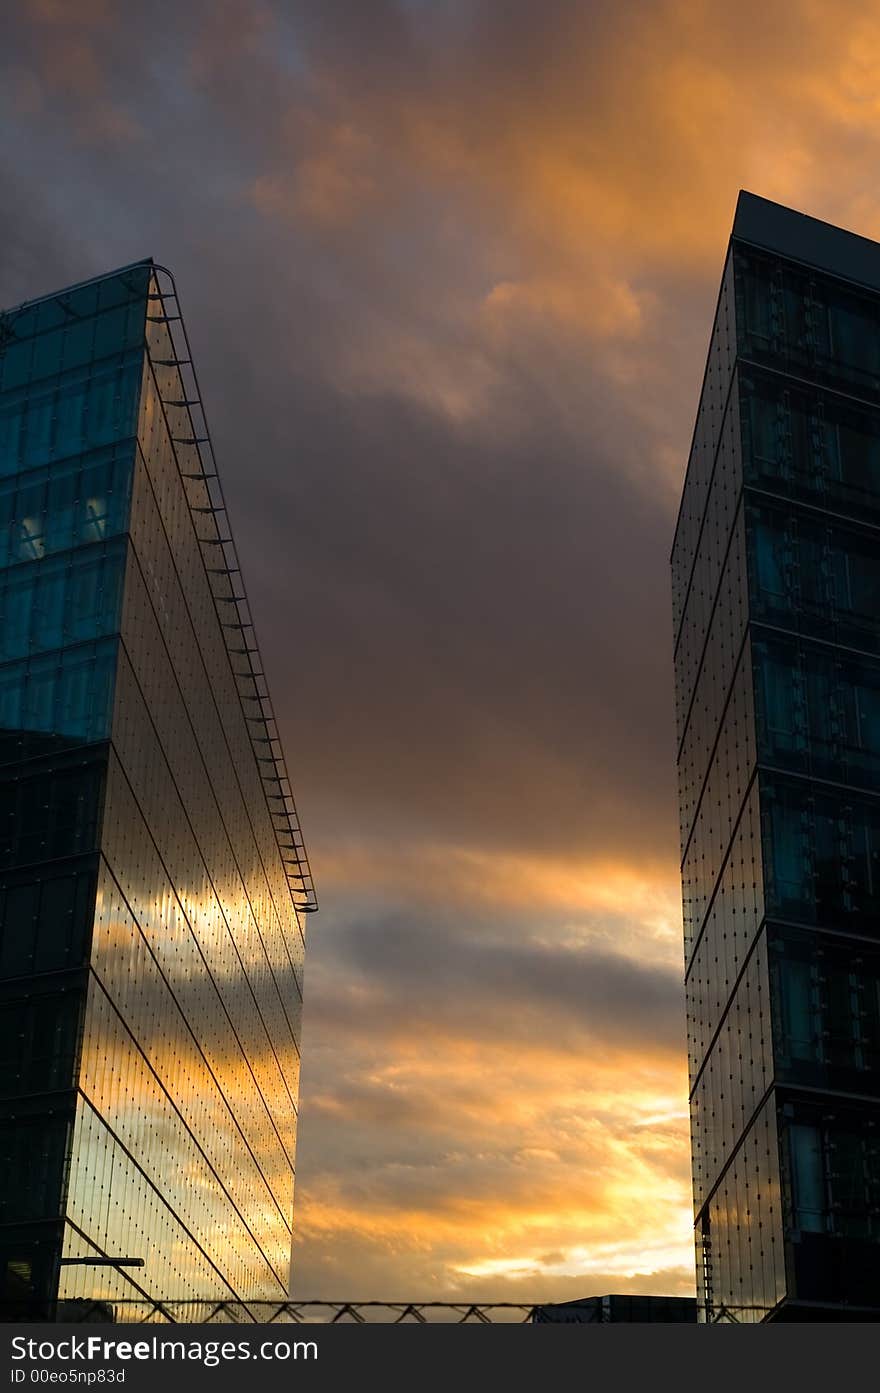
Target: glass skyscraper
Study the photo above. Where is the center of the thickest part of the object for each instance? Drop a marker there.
(776, 597)
(153, 877)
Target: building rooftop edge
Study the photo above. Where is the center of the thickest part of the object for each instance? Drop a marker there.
(777, 228)
(77, 285)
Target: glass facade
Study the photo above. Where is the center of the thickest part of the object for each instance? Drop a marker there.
(152, 875)
(776, 600)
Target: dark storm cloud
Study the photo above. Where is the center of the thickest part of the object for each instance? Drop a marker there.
(467, 580)
(399, 974)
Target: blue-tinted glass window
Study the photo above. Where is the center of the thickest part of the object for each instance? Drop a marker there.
(781, 708)
(38, 1044)
(816, 577)
(808, 443)
(826, 1010)
(45, 921)
(822, 855)
(82, 500)
(808, 1178)
(798, 1009)
(67, 695)
(32, 1154)
(50, 814)
(91, 407)
(787, 856)
(813, 325)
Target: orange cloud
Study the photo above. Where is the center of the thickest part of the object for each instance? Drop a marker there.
(633, 909)
(539, 1175)
(569, 183)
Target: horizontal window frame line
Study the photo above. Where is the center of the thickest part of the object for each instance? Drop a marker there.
(68, 765)
(803, 637)
(808, 384)
(69, 754)
(27, 866)
(800, 776)
(35, 1095)
(41, 984)
(776, 772)
(813, 267)
(64, 648)
(64, 553)
(749, 363)
(45, 391)
(49, 383)
(743, 360)
(59, 553)
(762, 927)
(776, 921)
(790, 1093)
(762, 767)
(7, 480)
(762, 764)
(230, 1200)
(797, 505)
(111, 641)
(195, 1039)
(134, 1161)
(56, 1220)
(24, 453)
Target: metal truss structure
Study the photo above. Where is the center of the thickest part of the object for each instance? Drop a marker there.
(143, 1311)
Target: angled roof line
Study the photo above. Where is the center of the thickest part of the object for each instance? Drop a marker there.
(78, 285)
(800, 237)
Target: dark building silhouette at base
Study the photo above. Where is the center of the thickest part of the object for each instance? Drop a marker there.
(608, 1310)
(776, 597)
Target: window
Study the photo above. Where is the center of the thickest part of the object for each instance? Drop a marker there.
(808, 1183)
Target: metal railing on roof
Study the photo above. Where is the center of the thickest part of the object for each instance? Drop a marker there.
(211, 521)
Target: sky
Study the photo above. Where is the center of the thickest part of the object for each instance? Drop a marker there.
(449, 269)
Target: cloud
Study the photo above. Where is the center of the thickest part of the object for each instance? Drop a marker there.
(476, 1088)
(489, 983)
